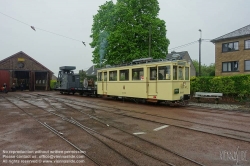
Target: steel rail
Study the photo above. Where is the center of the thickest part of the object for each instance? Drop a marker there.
(136, 149)
(188, 121)
(180, 126)
(95, 118)
(57, 133)
(225, 110)
(157, 145)
(75, 123)
(68, 120)
(90, 116)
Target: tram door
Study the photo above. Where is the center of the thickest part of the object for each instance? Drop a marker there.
(104, 83)
(152, 82)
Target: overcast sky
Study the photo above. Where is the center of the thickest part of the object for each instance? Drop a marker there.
(74, 18)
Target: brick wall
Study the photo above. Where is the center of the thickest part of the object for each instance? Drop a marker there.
(241, 55)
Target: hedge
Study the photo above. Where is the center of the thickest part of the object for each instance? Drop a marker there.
(237, 86)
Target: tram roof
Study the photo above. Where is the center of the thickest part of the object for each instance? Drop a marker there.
(153, 61)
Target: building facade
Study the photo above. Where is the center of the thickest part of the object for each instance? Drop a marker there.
(184, 55)
(25, 72)
(232, 53)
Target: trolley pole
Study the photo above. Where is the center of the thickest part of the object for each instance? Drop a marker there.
(200, 53)
(149, 42)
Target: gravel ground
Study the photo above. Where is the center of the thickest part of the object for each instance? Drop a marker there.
(221, 106)
(17, 130)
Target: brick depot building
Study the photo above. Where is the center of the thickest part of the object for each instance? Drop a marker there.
(21, 68)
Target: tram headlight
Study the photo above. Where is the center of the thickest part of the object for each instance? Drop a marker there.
(176, 91)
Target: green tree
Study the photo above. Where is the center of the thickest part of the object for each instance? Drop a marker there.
(127, 27)
(82, 75)
(102, 25)
(205, 70)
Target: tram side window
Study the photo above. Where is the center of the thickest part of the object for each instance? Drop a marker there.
(105, 76)
(138, 74)
(73, 78)
(99, 76)
(153, 74)
(164, 73)
(113, 76)
(124, 75)
(187, 73)
(181, 76)
(174, 72)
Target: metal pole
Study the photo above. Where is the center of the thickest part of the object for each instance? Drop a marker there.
(200, 54)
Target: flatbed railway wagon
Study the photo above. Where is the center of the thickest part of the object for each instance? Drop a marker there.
(147, 80)
(70, 83)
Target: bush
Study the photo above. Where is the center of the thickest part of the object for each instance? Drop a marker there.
(53, 84)
(237, 86)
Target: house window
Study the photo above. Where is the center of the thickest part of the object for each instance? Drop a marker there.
(227, 47)
(247, 44)
(247, 65)
(230, 66)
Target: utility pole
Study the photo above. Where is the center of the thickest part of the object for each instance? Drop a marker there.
(149, 42)
(200, 53)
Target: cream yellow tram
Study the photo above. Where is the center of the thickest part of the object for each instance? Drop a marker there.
(147, 80)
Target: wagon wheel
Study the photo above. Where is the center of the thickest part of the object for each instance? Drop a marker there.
(85, 83)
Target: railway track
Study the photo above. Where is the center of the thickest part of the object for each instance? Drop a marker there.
(93, 132)
(227, 133)
(132, 135)
(52, 130)
(194, 108)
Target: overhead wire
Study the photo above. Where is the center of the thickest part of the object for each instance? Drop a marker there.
(34, 28)
(185, 45)
(206, 40)
(188, 44)
(57, 34)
